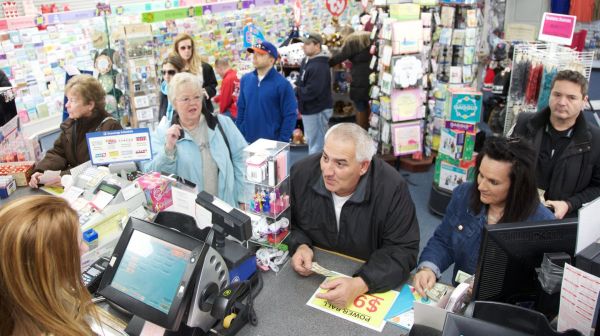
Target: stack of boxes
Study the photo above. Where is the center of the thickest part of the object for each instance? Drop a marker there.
(455, 162)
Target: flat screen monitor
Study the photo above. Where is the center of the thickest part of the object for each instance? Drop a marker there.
(510, 253)
(151, 272)
(461, 325)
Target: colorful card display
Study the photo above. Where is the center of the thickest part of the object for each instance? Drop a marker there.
(407, 138)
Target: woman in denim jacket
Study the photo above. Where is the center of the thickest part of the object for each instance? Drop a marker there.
(505, 192)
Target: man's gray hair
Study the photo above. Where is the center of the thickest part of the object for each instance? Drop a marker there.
(184, 79)
(364, 145)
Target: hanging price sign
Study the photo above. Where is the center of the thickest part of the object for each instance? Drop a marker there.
(297, 12)
(336, 7)
(364, 4)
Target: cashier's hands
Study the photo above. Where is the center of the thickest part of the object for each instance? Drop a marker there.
(302, 260)
(172, 136)
(424, 280)
(342, 291)
(34, 182)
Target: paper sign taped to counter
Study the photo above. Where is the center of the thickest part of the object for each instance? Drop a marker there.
(367, 310)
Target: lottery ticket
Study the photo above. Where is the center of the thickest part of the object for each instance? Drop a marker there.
(322, 270)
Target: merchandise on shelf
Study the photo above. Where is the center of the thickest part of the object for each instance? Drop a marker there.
(267, 172)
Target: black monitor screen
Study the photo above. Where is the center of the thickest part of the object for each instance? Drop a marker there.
(148, 257)
(509, 255)
(151, 272)
(461, 325)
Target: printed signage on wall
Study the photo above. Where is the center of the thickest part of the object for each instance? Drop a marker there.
(119, 146)
(557, 28)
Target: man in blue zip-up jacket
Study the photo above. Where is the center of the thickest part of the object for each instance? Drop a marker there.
(266, 105)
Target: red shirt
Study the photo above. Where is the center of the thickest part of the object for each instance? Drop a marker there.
(583, 9)
(228, 94)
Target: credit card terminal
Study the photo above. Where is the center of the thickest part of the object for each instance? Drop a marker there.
(93, 275)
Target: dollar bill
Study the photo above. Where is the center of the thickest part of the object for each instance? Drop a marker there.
(461, 276)
(436, 292)
(322, 270)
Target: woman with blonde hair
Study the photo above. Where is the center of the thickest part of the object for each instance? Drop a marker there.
(184, 46)
(356, 50)
(41, 291)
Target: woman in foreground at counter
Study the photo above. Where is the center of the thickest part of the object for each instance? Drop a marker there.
(41, 291)
(505, 192)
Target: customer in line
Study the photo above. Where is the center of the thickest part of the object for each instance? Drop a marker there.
(356, 50)
(230, 88)
(266, 106)
(313, 87)
(199, 146)
(504, 192)
(41, 291)
(87, 113)
(171, 66)
(567, 146)
(184, 46)
(348, 201)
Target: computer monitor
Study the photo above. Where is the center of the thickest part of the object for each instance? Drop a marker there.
(509, 254)
(461, 325)
(151, 272)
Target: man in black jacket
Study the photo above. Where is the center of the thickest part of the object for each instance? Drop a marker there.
(568, 165)
(349, 202)
(314, 92)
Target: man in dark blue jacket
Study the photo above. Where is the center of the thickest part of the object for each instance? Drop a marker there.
(266, 105)
(314, 92)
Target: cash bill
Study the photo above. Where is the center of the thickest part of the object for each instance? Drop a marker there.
(461, 276)
(322, 270)
(436, 292)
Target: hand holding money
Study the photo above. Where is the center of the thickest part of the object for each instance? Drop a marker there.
(302, 260)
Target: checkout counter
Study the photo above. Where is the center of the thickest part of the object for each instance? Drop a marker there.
(281, 305)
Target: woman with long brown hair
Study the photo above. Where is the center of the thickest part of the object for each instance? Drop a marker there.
(41, 291)
(356, 49)
(185, 47)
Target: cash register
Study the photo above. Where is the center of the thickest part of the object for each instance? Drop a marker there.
(175, 282)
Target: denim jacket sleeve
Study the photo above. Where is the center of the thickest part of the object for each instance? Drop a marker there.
(439, 252)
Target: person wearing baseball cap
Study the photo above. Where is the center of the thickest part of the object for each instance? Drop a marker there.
(313, 88)
(266, 104)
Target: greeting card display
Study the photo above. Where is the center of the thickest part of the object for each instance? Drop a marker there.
(407, 104)
(407, 37)
(406, 138)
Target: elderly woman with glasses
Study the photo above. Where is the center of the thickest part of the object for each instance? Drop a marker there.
(87, 113)
(197, 145)
(505, 192)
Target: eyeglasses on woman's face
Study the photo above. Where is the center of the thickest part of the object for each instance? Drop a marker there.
(188, 100)
(168, 72)
(185, 47)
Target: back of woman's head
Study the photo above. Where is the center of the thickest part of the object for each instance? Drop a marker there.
(40, 273)
(522, 199)
(89, 89)
(357, 41)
